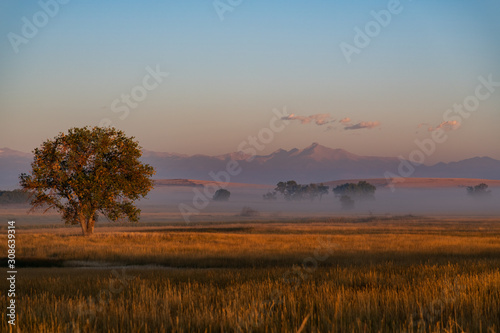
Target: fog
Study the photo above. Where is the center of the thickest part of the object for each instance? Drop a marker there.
(162, 206)
(439, 201)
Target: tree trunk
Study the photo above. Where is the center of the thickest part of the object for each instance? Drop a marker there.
(87, 226)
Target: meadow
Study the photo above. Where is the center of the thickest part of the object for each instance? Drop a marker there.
(370, 274)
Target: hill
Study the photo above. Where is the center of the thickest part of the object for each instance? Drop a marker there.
(313, 164)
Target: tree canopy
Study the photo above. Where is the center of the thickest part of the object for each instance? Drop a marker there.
(221, 195)
(89, 172)
(293, 191)
(478, 190)
(361, 190)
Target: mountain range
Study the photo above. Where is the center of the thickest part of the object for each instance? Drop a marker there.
(315, 163)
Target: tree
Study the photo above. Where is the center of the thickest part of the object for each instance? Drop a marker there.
(293, 191)
(478, 190)
(288, 189)
(322, 190)
(361, 190)
(270, 196)
(86, 173)
(221, 195)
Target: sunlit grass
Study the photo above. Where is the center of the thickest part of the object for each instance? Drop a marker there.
(336, 278)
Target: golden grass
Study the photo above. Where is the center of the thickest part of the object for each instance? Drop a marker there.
(402, 276)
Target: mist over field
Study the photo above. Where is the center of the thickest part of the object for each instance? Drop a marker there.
(448, 201)
(162, 206)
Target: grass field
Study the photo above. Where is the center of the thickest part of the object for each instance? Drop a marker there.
(404, 274)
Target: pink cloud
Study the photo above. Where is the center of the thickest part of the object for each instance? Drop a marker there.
(318, 119)
(363, 124)
(345, 121)
(445, 126)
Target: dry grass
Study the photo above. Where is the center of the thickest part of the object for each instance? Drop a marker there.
(378, 276)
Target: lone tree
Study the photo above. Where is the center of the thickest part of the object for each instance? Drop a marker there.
(88, 172)
(221, 195)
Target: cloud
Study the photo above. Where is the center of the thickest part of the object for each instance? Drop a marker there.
(449, 125)
(445, 126)
(363, 124)
(318, 119)
(325, 118)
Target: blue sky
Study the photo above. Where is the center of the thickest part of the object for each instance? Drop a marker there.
(225, 77)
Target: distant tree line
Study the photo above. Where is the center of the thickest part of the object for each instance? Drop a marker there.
(362, 190)
(346, 193)
(291, 190)
(13, 197)
(480, 190)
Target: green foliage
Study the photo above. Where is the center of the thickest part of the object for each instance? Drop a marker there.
(221, 195)
(87, 173)
(478, 190)
(13, 197)
(361, 190)
(293, 191)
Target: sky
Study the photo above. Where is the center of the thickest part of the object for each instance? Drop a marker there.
(371, 77)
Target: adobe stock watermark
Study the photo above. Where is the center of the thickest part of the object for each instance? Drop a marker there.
(249, 147)
(455, 115)
(138, 94)
(11, 264)
(223, 6)
(363, 37)
(30, 26)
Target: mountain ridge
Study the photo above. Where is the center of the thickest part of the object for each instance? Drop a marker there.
(314, 163)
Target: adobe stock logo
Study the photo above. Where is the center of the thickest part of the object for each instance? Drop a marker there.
(223, 6)
(30, 28)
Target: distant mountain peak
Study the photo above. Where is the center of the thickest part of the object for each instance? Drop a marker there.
(314, 163)
(313, 145)
(319, 152)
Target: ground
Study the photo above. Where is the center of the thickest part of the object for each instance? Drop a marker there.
(341, 274)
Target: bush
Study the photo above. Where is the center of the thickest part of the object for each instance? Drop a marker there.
(249, 212)
(221, 195)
